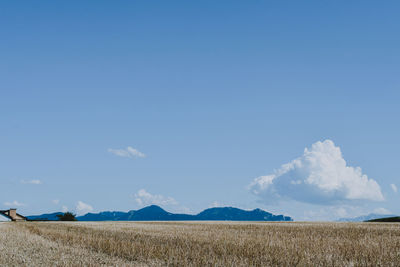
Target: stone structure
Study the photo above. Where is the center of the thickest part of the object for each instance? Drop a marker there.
(12, 215)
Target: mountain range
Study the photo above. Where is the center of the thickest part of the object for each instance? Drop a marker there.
(156, 213)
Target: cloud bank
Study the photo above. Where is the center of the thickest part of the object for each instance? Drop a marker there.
(82, 208)
(319, 176)
(128, 152)
(14, 204)
(144, 198)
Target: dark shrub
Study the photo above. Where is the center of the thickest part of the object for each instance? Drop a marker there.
(67, 216)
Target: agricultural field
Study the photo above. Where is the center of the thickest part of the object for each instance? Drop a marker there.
(199, 244)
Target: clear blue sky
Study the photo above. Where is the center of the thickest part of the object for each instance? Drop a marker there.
(213, 93)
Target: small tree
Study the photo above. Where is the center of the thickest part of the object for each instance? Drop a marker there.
(67, 216)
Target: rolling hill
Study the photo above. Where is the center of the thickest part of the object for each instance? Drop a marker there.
(386, 219)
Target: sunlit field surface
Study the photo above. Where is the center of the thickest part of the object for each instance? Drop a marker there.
(199, 244)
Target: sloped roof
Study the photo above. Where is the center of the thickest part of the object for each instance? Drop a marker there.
(4, 218)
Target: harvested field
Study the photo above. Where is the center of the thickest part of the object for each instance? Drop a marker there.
(200, 244)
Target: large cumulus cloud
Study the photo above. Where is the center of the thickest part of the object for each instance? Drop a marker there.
(319, 176)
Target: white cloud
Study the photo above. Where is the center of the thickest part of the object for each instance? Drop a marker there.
(382, 211)
(144, 198)
(13, 204)
(55, 201)
(83, 208)
(34, 181)
(319, 176)
(128, 152)
(64, 209)
(394, 188)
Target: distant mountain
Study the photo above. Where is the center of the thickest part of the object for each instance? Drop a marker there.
(150, 213)
(371, 216)
(105, 216)
(155, 213)
(45, 217)
(235, 214)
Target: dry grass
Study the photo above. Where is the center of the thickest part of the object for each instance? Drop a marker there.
(19, 247)
(221, 244)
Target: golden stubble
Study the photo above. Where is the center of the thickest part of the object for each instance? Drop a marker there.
(228, 243)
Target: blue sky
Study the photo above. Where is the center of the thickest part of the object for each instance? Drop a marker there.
(208, 96)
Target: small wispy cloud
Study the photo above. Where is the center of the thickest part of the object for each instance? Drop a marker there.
(34, 181)
(83, 208)
(55, 201)
(394, 188)
(14, 204)
(143, 198)
(128, 152)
